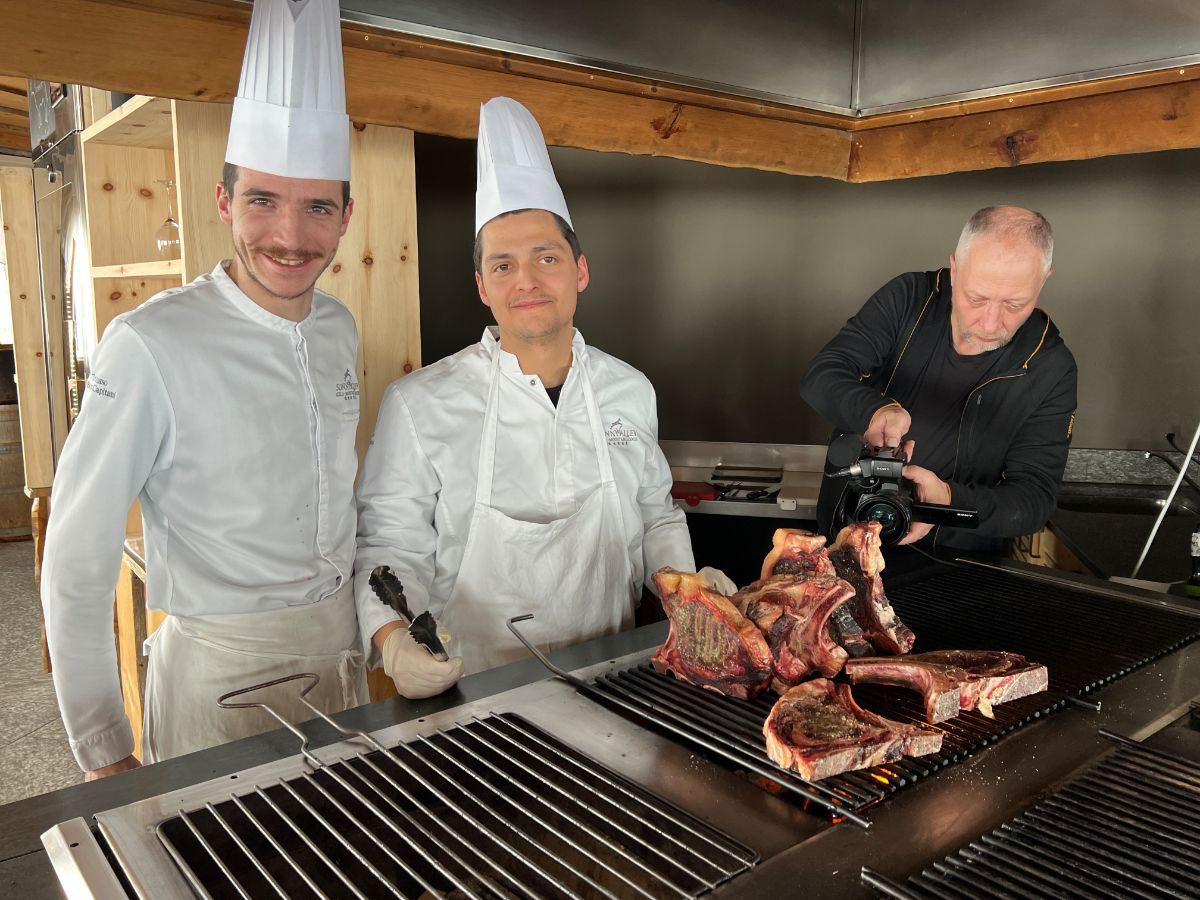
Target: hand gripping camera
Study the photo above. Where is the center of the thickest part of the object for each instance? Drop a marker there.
(875, 490)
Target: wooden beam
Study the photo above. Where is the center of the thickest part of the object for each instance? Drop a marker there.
(1135, 121)
(14, 140)
(18, 101)
(392, 80)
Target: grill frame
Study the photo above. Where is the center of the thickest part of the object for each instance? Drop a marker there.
(908, 832)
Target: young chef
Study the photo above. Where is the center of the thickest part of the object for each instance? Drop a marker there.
(228, 408)
(522, 474)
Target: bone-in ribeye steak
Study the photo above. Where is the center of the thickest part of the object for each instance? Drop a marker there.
(710, 643)
(953, 680)
(993, 676)
(858, 558)
(795, 551)
(818, 730)
(793, 613)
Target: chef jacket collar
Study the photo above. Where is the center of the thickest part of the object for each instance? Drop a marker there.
(248, 307)
(508, 361)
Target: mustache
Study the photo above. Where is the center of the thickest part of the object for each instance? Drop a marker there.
(286, 253)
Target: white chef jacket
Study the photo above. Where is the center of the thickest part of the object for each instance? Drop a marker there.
(235, 429)
(417, 490)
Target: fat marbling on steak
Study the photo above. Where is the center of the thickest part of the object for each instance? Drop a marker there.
(858, 558)
(818, 730)
(710, 643)
(795, 551)
(793, 613)
(953, 680)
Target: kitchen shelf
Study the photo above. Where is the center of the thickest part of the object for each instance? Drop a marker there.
(165, 268)
(138, 122)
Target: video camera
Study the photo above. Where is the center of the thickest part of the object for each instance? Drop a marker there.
(877, 491)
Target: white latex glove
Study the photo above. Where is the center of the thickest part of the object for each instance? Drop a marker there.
(721, 583)
(416, 673)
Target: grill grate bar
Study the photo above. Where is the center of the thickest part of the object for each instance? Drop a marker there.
(494, 807)
(337, 834)
(656, 688)
(1124, 827)
(396, 811)
(554, 757)
(715, 742)
(236, 838)
(564, 836)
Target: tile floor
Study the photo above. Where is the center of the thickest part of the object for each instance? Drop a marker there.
(34, 756)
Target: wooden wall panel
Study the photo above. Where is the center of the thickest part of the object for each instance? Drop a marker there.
(201, 132)
(117, 295)
(125, 202)
(375, 271)
(20, 243)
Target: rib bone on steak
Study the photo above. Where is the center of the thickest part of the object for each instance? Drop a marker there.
(818, 730)
(793, 612)
(950, 680)
(795, 551)
(857, 557)
(710, 643)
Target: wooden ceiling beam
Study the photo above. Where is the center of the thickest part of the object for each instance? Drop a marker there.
(1164, 117)
(393, 80)
(14, 140)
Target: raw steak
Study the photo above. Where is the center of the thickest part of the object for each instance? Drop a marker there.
(951, 680)
(939, 684)
(857, 557)
(793, 612)
(993, 676)
(798, 552)
(710, 643)
(818, 730)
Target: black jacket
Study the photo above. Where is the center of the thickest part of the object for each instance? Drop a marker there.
(1016, 424)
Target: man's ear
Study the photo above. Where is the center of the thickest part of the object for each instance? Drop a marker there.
(224, 204)
(951, 268)
(584, 276)
(482, 292)
(346, 216)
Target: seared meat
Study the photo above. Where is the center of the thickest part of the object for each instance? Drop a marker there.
(818, 730)
(710, 642)
(793, 613)
(993, 676)
(939, 684)
(802, 553)
(857, 557)
(950, 680)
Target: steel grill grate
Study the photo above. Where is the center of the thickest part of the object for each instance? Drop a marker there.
(490, 808)
(1084, 640)
(1124, 828)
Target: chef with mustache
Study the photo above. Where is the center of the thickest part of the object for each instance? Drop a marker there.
(229, 408)
(523, 473)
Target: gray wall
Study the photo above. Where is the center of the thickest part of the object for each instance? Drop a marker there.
(721, 284)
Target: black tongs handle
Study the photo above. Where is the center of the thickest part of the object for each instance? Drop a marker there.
(389, 590)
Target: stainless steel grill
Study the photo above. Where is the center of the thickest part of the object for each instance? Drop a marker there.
(1124, 828)
(1083, 644)
(493, 807)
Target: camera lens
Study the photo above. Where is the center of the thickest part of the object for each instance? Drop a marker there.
(888, 514)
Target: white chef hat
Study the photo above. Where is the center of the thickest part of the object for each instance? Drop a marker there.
(289, 117)
(514, 170)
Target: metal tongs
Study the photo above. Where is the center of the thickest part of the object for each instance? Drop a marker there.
(423, 628)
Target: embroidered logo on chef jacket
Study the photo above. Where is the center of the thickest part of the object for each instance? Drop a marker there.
(98, 385)
(618, 434)
(347, 388)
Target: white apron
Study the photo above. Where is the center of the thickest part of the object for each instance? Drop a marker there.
(195, 659)
(573, 573)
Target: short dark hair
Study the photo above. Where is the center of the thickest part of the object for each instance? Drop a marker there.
(568, 234)
(229, 177)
